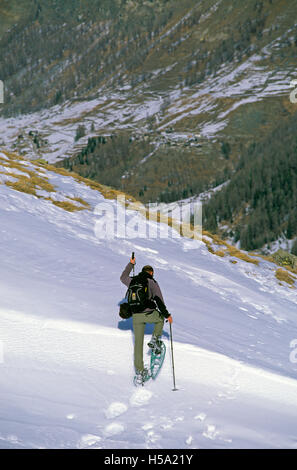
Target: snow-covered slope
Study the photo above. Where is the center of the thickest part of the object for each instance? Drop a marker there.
(67, 358)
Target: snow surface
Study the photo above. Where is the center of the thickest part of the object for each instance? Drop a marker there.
(66, 357)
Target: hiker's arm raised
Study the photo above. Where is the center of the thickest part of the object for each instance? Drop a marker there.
(125, 278)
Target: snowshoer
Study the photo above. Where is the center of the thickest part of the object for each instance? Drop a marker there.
(147, 313)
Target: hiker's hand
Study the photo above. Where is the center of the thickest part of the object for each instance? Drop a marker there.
(132, 260)
(170, 319)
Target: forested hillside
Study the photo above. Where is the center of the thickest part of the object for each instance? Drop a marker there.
(69, 49)
(260, 202)
(132, 164)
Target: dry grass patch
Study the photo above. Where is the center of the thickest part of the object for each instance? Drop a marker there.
(81, 201)
(229, 249)
(284, 276)
(241, 255)
(271, 259)
(24, 185)
(67, 206)
(30, 184)
(106, 191)
(220, 253)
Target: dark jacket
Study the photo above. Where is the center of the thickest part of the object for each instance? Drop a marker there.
(154, 291)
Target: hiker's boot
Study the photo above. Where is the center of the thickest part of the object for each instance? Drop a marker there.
(141, 376)
(155, 344)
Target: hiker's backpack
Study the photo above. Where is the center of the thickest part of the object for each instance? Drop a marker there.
(125, 311)
(137, 294)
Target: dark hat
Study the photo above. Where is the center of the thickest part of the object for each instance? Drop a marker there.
(147, 268)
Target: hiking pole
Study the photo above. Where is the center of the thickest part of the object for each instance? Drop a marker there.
(133, 256)
(172, 360)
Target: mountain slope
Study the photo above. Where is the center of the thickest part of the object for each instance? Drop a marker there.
(66, 373)
(200, 81)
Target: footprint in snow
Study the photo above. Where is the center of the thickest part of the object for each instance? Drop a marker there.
(210, 432)
(89, 441)
(201, 417)
(152, 437)
(189, 441)
(140, 397)
(115, 409)
(113, 429)
(147, 426)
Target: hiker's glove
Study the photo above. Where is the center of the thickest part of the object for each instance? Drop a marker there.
(170, 319)
(132, 260)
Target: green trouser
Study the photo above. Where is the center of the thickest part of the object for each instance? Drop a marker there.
(139, 322)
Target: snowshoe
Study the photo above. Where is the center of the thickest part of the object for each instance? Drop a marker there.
(141, 377)
(157, 359)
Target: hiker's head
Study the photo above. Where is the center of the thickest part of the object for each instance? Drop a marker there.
(148, 269)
